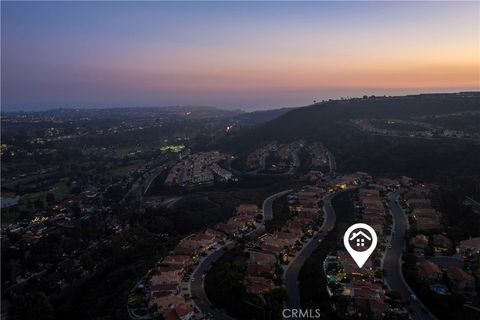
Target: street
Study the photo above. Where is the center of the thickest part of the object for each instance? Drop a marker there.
(293, 269)
(267, 204)
(393, 260)
(197, 289)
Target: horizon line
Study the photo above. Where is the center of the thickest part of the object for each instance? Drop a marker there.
(249, 110)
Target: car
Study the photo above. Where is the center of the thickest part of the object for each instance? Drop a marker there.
(390, 246)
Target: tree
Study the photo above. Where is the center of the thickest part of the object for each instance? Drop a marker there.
(114, 193)
(38, 204)
(33, 305)
(87, 261)
(50, 198)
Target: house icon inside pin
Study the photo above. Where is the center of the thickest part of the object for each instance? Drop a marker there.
(360, 238)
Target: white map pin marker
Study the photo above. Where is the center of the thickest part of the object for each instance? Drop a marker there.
(361, 235)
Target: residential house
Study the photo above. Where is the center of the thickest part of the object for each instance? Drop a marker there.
(258, 285)
(472, 245)
(181, 312)
(366, 290)
(261, 262)
(160, 290)
(419, 203)
(427, 224)
(419, 243)
(167, 302)
(168, 277)
(228, 229)
(351, 269)
(378, 308)
(461, 281)
(247, 209)
(180, 260)
(441, 244)
(217, 234)
(428, 271)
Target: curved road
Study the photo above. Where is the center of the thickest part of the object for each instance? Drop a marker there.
(197, 289)
(267, 206)
(332, 162)
(293, 269)
(142, 184)
(393, 260)
(196, 286)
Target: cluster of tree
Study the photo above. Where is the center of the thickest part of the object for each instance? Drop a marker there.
(458, 215)
(224, 287)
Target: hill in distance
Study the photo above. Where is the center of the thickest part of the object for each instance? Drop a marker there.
(329, 122)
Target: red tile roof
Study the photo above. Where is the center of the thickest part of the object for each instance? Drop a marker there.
(459, 275)
(427, 269)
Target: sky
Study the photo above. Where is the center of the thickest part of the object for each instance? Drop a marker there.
(248, 55)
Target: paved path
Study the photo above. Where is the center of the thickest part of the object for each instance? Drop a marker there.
(393, 260)
(142, 184)
(197, 285)
(152, 176)
(332, 162)
(267, 206)
(293, 269)
(474, 203)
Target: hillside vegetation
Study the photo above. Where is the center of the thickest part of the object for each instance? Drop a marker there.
(329, 122)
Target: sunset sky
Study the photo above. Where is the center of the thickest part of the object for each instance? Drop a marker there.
(249, 55)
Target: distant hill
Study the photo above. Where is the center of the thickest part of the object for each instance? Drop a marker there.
(324, 119)
(356, 150)
(259, 117)
(126, 112)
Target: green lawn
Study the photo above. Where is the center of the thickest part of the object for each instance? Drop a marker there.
(60, 191)
(26, 180)
(124, 151)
